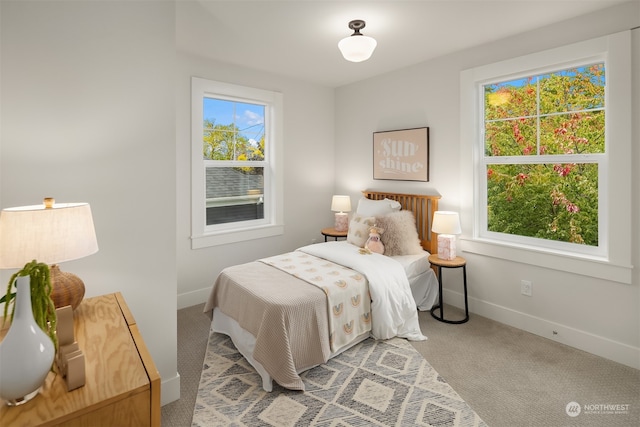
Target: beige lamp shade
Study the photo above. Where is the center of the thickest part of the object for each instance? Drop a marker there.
(59, 233)
(341, 204)
(446, 222)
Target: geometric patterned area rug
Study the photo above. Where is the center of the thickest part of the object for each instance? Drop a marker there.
(375, 383)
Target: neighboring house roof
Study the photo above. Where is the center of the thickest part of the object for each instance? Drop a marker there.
(229, 182)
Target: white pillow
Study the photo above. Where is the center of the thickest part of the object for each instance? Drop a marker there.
(367, 207)
(400, 235)
(359, 229)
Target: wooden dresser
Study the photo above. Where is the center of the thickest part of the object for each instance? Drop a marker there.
(122, 386)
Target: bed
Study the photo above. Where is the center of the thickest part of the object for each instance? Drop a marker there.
(288, 313)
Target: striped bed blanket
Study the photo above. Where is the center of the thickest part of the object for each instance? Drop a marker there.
(347, 291)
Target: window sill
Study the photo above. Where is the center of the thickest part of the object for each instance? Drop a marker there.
(575, 264)
(234, 236)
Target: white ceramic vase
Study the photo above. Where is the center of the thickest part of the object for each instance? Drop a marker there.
(26, 353)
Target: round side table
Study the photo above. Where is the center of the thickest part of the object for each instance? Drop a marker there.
(457, 262)
(332, 232)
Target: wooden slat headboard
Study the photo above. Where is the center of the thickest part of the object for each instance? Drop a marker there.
(422, 206)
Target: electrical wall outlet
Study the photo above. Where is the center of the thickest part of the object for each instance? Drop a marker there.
(526, 287)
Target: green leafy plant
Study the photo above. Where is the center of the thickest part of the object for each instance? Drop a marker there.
(44, 310)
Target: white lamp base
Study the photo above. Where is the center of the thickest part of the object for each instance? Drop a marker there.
(341, 222)
(446, 246)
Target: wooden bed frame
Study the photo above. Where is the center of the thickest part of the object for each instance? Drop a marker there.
(423, 207)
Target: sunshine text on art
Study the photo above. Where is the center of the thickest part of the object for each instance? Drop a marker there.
(399, 156)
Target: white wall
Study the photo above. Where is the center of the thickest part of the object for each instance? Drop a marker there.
(592, 314)
(309, 152)
(88, 115)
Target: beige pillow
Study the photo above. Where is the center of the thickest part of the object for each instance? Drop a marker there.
(400, 236)
(359, 229)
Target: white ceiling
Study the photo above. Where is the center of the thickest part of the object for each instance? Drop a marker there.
(299, 38)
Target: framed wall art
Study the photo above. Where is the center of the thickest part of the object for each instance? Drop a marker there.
(401, 155)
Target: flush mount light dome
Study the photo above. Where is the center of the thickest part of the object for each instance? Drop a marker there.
(357, 47)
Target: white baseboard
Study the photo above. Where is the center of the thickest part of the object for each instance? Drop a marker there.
(170, 391)
(192, 298)
(594, 344)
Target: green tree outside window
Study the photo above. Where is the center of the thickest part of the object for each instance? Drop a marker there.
(542, 138)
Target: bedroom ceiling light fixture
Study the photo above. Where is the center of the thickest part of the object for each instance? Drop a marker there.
(49, 233)
(357, 47)
(340, 205)
(446, 224)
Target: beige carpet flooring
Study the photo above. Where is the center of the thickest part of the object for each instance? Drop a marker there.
(509, 377)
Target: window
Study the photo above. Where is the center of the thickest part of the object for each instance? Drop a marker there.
(543, 145)
(549, 140)
(233, 155)
(236, 147)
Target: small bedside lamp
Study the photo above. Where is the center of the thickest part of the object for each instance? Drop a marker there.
(340, 205)
(49, 233)
(446, 224)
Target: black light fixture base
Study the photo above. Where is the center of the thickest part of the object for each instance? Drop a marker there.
(356, 25)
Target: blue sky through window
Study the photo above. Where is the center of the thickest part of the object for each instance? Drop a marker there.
(249, 118)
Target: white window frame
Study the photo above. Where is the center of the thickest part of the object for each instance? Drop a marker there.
(601, 159)
(612, 259)
(273, 223)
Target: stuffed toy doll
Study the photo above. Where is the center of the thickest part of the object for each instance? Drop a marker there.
(374, 244)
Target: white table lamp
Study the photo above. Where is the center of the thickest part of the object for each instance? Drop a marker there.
(341, 205)
(49, 233)
(446, 224)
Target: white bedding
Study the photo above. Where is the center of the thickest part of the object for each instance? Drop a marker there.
(414, 265)
(393, 308)
(422, 279)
